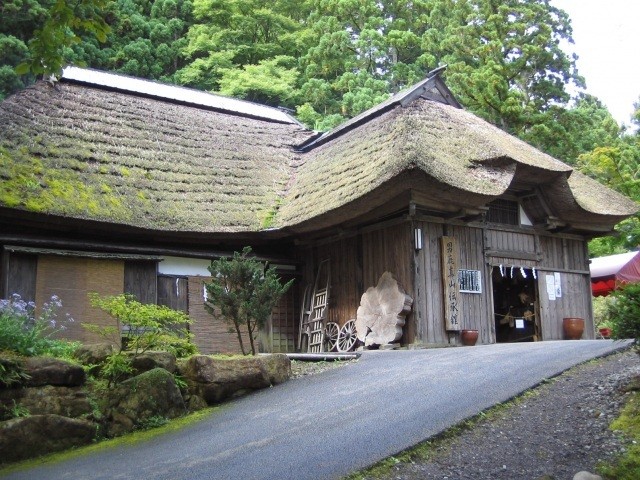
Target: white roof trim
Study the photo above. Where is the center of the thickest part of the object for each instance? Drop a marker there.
(125, 83)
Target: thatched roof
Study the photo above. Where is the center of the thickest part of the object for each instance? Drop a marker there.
(449, 159)
(102, 154)
(109, 148)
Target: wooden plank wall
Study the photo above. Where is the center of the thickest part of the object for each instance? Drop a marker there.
(357, 263)
(569, 257)
(21, 275)
(391, 249)
(140, 280)
(428, 309)
(173, 292)
(477, 309)
(575, 302)
(345, 257)
(510, 241)
(282, 327)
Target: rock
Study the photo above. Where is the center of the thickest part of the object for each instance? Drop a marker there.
(195, 403)
(216, 379)
(136, 401)
(29, 437)
(584, 475)
(277, 367)
(94, 353)
(150, 360)
(51, 371)
(65, 401)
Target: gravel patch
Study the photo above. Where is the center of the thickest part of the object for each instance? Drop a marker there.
(556, 431)
(300, 368)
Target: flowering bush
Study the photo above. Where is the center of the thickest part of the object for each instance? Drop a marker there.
(25, 333)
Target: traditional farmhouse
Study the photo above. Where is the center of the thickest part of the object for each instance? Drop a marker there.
(115, 184)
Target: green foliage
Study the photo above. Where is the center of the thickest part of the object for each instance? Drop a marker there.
(63, 22)
(244, 293)
(601, 306)
(116, 367)
(24, 332)
(627, 466)
(618, 167)
(153, 422)
(143, 327)
(11, 369)
(624, 313)
(138, 328)
(16, 410)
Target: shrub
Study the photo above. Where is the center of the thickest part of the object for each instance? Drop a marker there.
(624, 314)
(138, 328)
(28, 334)
(245, 291)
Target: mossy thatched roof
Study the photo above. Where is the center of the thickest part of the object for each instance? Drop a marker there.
(86, 152)
(110, 149)
(442, 153)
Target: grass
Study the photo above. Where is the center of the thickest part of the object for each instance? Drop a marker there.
(131, 439)
(627, 465)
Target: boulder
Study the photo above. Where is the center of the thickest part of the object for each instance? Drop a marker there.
(94, 353)
(150, 360)
(138, 400)
(29, 437)
(216, 379)
(51, 371)
(65, 401)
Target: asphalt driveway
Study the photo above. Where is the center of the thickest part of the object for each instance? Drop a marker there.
(328, 425)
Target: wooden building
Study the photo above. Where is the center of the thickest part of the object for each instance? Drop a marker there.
(114, 184)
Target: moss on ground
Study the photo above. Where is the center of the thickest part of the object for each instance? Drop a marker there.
(131, 439)
(627, 466)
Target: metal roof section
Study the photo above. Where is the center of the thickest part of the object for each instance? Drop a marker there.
(149, 88)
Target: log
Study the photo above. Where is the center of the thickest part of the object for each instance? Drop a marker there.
(382, 312)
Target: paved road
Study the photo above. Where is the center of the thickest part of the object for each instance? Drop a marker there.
(325, 426)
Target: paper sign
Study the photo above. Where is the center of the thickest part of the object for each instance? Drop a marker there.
(558, 283)
(551, 286)
(519, 322)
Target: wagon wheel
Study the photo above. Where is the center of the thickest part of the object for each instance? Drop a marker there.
(347, 336)
(331, 332)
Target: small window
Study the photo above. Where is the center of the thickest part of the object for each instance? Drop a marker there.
(505, 212)
(470, 281)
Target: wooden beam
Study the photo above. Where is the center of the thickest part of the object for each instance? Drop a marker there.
(513, 254)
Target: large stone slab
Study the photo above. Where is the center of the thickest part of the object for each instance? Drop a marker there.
(28, 437)
(51, 371)
(48, 399)
(216, 379)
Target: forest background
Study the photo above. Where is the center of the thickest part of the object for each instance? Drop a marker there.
(328, 60)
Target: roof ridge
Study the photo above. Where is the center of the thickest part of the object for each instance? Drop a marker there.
(175, 93)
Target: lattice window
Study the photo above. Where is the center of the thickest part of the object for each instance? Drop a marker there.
(505, 212)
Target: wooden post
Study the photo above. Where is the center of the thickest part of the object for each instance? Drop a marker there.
(451, 288)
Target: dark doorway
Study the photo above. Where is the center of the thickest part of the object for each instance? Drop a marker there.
(515, 304)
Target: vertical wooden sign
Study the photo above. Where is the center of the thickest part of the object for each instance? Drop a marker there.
(450, 260)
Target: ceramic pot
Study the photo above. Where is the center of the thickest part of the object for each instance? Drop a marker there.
(573, 328)
(469, 337)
